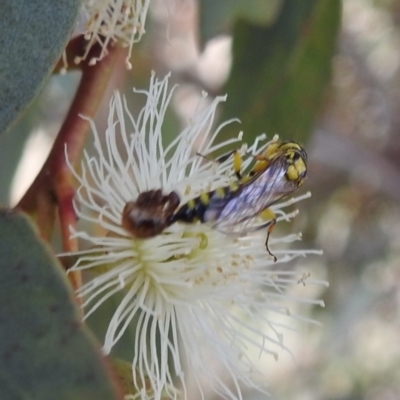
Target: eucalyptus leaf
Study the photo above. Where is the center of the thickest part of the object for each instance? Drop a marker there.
(280, 73)
(218, 16)
(46, 353)
(33, 35)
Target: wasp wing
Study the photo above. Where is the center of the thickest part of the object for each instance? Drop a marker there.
(234, 212)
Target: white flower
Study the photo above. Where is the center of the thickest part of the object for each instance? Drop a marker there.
(109, 21)
(198, 297)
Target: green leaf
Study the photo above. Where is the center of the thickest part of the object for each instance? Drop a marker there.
(217, 17)
(46, 353)
(11, 148)
(279, 73)
(33, 35)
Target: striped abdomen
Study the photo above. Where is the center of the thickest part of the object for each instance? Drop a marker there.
(196, 209)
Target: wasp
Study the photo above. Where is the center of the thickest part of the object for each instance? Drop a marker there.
(241, 207)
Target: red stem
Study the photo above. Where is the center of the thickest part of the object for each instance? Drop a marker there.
(54, 184)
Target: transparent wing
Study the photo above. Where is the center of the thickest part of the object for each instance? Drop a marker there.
(237, 212)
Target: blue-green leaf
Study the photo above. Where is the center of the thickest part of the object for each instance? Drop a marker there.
(33, 35)
(46, 353)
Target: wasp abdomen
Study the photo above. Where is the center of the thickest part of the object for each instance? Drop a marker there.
(197, 209)
(149, 215)
(191, 211)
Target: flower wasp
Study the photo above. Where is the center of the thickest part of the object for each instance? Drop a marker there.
(242, 207)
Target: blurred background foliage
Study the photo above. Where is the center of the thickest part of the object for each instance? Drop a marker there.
(325, 73)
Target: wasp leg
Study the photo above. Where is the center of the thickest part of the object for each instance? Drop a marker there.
(261, 164)
(237, 161)
(269, 214)
(270, 229)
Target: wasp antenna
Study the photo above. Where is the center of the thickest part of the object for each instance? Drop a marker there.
(205, 157)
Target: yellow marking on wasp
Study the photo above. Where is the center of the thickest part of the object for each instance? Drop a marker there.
(245, 179)
(267, 214)
(191, 204)
(205, 198)
(237, 162)
(271, 150)
(260, 165)
(292, 173)
(295, 170)
(301, 166)
(233, 186)
(290, 146)
(220, 192)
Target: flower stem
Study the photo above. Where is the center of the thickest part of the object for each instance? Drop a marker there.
(54, 184)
